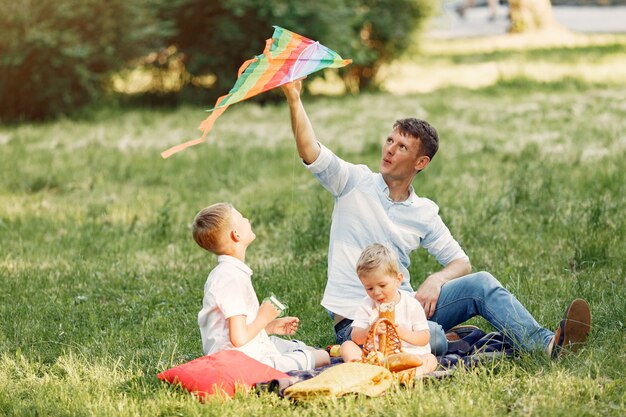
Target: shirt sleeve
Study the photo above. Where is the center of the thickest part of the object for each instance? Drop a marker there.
(440, 243)
(418, 315)
(363, 315)
(231, 298)
(336, 175)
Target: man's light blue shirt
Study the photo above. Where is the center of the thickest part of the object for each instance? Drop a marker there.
(364, 214)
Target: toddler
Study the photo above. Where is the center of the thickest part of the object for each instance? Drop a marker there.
(377, 269)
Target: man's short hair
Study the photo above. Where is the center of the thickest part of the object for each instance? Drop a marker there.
(377, 256)
(211, 225)
(421, 130)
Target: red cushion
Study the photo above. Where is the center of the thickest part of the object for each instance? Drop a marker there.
(220, 372)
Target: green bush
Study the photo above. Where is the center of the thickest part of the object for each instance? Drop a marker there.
(56, 55)
(215, 37)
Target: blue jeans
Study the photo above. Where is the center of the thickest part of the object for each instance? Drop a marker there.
(480, 294)
(438, 341)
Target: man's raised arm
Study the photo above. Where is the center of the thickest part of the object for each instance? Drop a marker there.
(308, 148)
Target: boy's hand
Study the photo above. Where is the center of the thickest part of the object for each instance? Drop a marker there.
(283, 326)
(268, 311)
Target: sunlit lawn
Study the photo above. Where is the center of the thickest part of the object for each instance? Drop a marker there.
(484, 61)
(101, 281)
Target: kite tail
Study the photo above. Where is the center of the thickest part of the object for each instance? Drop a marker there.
(266, 52)
(205, 126)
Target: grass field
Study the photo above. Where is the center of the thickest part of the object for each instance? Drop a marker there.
(101, 281)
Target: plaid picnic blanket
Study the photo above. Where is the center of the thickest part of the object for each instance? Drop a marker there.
(471, 347)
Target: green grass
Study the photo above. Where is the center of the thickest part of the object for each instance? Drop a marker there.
(101, 281)
(487, 61)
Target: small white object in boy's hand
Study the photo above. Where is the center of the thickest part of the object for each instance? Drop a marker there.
(282, 307)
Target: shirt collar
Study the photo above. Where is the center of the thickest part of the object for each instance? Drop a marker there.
(235, 262)
(384, 188)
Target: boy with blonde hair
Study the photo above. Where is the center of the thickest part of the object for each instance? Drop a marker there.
(378, 271)
(231, 317)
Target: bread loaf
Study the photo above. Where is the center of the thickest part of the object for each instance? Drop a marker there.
(401, 361)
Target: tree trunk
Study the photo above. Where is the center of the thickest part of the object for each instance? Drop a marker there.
(531, 15)
(359, 78)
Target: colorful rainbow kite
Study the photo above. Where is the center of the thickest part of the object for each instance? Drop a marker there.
(287, 57)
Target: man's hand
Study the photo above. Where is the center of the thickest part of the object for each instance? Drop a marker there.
(293, 89)
(283, 326)
(428, 294)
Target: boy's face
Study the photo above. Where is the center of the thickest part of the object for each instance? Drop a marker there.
(242, 227)
(381, 286)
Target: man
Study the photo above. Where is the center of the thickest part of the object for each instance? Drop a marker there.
(383, 208)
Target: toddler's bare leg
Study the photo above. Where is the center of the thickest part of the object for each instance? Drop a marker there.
(350, 351)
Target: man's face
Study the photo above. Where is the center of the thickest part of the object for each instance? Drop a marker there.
(401, 156)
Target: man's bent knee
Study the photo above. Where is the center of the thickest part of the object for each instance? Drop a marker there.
(485, 283)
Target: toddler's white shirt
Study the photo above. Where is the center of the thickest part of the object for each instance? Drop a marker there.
(409, 314)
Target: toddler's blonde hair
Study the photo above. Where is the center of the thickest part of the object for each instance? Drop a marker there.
(377, 256)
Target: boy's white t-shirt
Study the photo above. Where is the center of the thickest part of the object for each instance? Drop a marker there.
(228, 292)
(409, 314)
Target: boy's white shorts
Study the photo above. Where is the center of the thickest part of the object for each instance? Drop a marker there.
(294, 356)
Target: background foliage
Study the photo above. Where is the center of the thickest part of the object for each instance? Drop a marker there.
(371, 32)
(58, 55)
